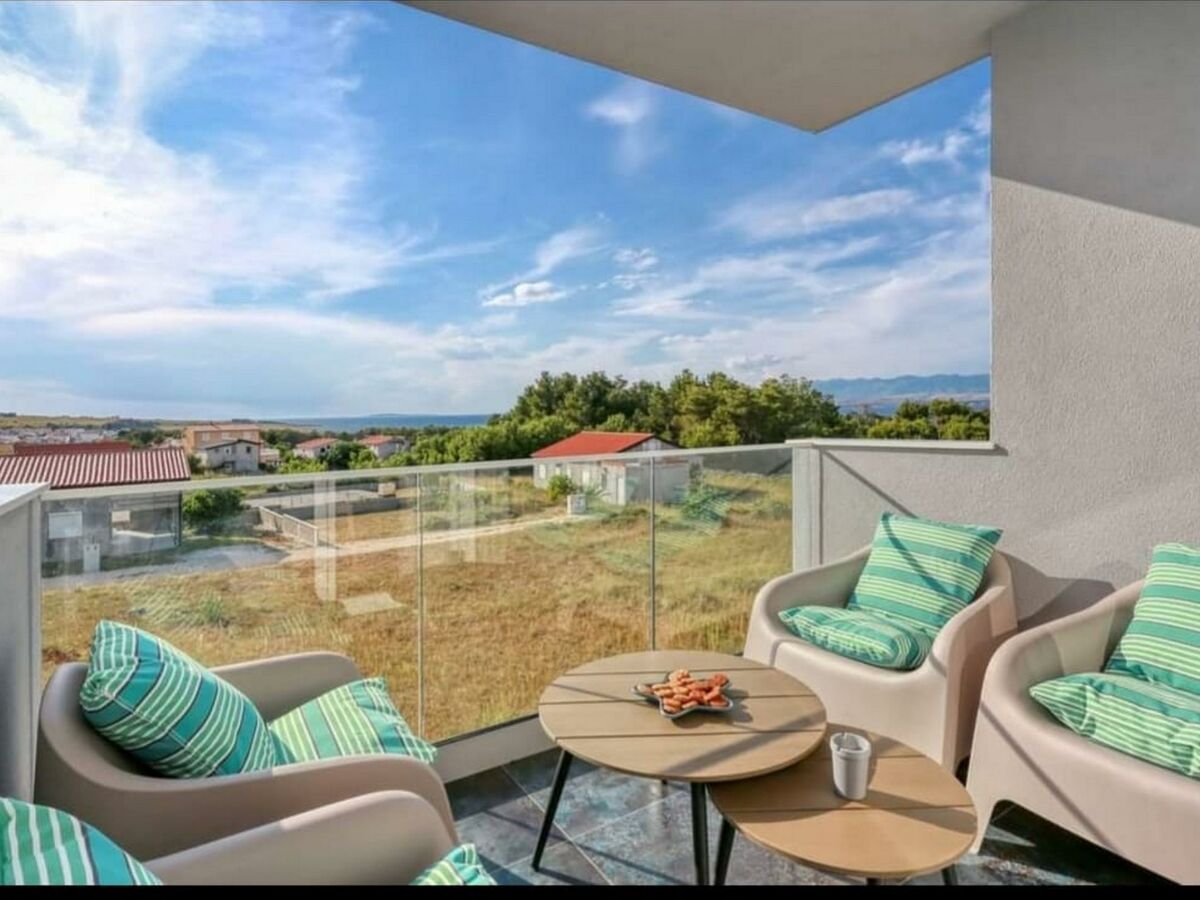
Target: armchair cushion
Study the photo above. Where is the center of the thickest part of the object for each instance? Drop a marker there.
(42, 846)
(356, 718)
(868, 637)
(1162, 642)
(921, 572)
(1153, 722)
(460, 866)
(168, 711)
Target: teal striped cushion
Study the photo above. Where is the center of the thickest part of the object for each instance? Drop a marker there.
(167, 710)
(1154, 722)
(868, 637)
(42, 846)
(460, 866)
(920, 572)
(353, 719)
(1162, 642)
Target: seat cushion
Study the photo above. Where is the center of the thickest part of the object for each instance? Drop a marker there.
(1154, 722)
(856, 634)
(356, 718)
(461, 866)
(1162, 642)
(167, 710)
(921, 572)
(42, 846)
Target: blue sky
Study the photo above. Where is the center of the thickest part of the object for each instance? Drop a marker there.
(244, 210)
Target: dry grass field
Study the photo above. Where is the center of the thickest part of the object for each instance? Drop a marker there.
(503, 613)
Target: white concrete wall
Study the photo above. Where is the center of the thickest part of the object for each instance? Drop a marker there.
(1096, 312)
(20, 636)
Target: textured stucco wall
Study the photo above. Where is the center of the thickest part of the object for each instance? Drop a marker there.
(1096, 312)
(20, 648)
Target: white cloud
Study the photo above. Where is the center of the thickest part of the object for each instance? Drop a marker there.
(952, 146)
(637, 259)
(630, 109)
(97, 216)
(527, 293)
(557, 250)
(765, 218)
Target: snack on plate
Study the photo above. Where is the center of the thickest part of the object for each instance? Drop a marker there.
(681, 691)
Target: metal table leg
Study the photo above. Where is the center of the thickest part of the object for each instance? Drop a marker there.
(700, 831)
(950, 876)
(724, 850)
(560, 779)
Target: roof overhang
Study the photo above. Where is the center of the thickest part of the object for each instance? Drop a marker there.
(809, 63)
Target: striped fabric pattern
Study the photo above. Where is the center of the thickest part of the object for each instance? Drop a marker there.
(871, 638)
(42, 846)
(167, 710)
(921, 572)
(1162, 642)
(1153, 722)
(356, 718)
(459, 867)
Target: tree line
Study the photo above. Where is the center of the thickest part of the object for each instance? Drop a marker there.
(714, 410)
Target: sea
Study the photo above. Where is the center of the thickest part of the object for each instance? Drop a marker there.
(352, 424)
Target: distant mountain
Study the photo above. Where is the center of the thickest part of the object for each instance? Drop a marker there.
(883, 395)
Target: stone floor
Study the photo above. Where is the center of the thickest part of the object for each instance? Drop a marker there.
(613, 829)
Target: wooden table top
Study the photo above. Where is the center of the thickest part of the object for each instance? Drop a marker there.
(591, 713)
(916, 817)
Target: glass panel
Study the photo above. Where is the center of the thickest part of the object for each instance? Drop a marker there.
(723, 528)
(523, 582)
(234, 574)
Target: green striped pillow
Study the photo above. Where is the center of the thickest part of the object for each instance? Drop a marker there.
(920, 572)
(1162, 642)
(42, 846)
(460, 866)
(868, 637)
(167, 710)
(355, 718)
(1154, 722)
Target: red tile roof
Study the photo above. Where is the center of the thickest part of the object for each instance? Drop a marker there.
(58, 449)
(373, 440)
(75, 470)
(591, 443)
(315, 443)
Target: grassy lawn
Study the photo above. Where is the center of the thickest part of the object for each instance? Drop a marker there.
(504, 613)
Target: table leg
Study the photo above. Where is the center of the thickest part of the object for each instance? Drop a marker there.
(872, 881)
(560, 779)
(700, 830)
(950, 876)
(724, 850)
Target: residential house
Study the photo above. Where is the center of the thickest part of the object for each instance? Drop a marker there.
(617, 481)
(233, 447)
(268, 457)
(79, 534)
(384, 445)
(315, 448)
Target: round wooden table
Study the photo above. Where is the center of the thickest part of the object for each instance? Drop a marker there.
(916, 818)
(591, 713)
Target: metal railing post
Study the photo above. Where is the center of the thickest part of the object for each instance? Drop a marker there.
(420, 606)
(653, 565)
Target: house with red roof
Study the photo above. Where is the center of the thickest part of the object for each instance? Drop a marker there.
(384, 445)
(618, 476)
(315, 448)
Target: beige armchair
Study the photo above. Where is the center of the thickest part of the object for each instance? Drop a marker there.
(1142, 812)
(80, 772)
(932, 707)
(389, 837)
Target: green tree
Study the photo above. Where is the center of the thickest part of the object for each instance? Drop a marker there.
(343, 454)
(559, 486)
(298, 465)
(210, 510)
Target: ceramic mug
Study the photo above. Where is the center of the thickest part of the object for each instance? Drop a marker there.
(851, 764)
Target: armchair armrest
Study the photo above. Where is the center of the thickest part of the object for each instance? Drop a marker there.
(827, 585)
(281, 683)
(1080, 642)
(388, 837)
(200, 810)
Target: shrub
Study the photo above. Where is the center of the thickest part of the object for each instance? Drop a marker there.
(208, 510)
(559, 486)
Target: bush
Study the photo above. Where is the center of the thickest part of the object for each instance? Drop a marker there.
(208, 510)
(559, 486)
(705, 504)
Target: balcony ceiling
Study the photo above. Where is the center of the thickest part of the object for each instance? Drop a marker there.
(809, 63)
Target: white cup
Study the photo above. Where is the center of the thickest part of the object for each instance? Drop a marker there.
(851, 764)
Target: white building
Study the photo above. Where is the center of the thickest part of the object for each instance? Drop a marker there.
(616, 481)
